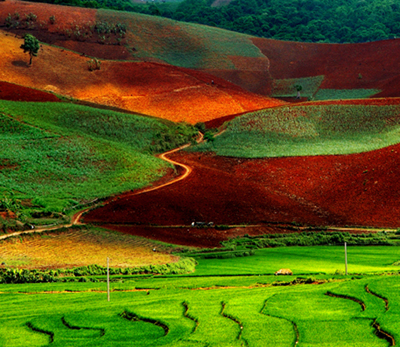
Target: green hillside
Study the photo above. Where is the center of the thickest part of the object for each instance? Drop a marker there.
(181, 44)
(308, 130)
(58, 154)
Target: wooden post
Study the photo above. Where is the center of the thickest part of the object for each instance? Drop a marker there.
(108, 279)
(345, 256)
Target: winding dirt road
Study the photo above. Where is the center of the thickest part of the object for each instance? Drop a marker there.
(77, 216)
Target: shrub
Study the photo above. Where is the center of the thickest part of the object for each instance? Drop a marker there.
(209, 137)
(94, 64)
(30, 17)
(200, 127)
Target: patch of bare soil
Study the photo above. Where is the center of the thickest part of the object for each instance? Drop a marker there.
(13, 92)
(372, 65)
(360, 189)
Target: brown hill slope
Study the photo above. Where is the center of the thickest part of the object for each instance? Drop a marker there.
(159, 90)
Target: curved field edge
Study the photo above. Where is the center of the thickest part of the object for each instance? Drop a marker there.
(308, 130)
(64, 152)
(318, 318)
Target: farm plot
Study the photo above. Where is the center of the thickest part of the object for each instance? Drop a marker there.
(319, 190)
(77, 247)
(308, 130)
(66, 152)
(301, 315)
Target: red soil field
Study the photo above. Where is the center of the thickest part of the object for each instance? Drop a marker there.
(14, 92)
(341, 64)
(64, 15)
(359, 189)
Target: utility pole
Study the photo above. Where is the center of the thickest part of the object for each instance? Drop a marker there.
(108, 279)
(345, 256)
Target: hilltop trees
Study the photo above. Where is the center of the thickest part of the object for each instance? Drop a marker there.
(31, 46)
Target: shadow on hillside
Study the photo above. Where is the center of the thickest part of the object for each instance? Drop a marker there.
(20, 63)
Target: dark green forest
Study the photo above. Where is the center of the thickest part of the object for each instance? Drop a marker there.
(334, 21)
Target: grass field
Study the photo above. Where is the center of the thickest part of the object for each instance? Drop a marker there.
(308, 130)
(241, 310)
(63, 153)
(335, 94)
(182, 44)
(287, 87)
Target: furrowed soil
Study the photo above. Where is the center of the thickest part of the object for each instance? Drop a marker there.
(359, 189)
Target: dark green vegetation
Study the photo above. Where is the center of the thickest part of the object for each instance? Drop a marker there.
(245, 307)
(302, 130)
(31, 46)
(59, 155)
(300, 20)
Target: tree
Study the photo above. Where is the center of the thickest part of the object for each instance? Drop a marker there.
(299, 88)
(31, 46)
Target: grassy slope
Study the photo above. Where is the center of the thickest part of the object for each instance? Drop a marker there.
(309, 130)
(62, 151)
(182, 44)
(265, 313)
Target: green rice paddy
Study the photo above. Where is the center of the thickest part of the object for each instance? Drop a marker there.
(218, 305)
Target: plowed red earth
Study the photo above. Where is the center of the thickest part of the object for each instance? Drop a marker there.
(359, 189)
(14, 92)
(341, 64)
(159, 90)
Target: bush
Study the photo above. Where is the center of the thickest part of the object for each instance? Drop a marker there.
(200, 127)
(94, 64)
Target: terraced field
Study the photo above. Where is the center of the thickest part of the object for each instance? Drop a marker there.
(241, 310)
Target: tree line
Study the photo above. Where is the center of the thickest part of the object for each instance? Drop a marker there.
(334, 21)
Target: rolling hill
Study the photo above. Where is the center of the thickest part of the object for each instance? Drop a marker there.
(155, 89)
(263, 66)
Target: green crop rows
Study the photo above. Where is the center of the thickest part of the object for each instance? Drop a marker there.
(67, 152)
(308, 130)
(218, 305)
